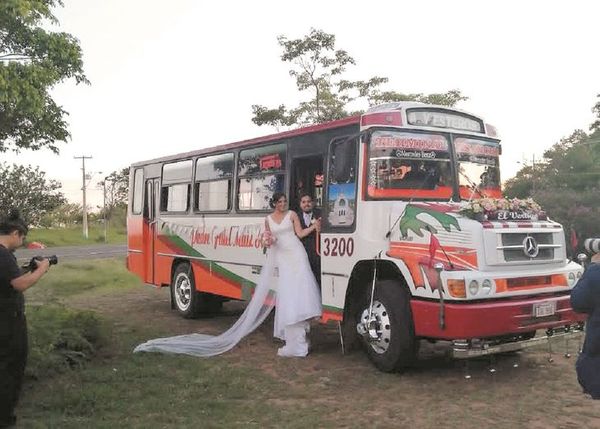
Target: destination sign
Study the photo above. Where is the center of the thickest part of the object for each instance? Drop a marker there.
(410, 141)
(442, 119)
(476, 147)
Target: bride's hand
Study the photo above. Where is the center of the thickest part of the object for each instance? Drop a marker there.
(317, 224)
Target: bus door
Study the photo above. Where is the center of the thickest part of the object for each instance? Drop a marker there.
(307, 176)
(150, 228)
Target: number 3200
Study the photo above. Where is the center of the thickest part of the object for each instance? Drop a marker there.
(338, 246)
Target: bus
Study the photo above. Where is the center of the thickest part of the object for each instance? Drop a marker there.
(410, 246)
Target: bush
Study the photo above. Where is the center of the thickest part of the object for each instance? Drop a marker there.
(61, 339)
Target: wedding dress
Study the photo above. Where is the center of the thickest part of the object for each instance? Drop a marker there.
(293, 290)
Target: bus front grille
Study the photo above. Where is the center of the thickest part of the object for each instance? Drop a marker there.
(531, 246)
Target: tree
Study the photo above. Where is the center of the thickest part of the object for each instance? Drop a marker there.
(32, 61)
(567, 182)
(117, 187)
(116, 190)
(65, 215)
(595, 127)
(28, 190)
(318, 68)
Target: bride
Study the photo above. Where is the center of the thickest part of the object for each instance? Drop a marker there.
(296, 298)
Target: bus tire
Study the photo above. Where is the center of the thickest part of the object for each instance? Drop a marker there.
(185, 297)
(397, 346)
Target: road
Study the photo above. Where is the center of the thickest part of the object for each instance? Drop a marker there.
(94, 251)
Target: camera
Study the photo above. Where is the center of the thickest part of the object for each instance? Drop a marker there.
(31, 266)
(592, 245)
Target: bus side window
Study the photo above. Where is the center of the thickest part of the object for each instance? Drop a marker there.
(176, 186)
(261, 173)
(213, 183)
(138, 189)
(175, 198)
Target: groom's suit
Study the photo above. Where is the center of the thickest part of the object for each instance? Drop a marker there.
(309, 242)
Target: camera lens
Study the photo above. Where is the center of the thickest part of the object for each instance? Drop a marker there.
(592, 245)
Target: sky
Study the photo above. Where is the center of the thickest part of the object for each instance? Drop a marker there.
(170, 77)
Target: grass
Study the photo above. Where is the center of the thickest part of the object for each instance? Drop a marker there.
(94, 276)
(251, 387)
(74, 236)
(61, 339)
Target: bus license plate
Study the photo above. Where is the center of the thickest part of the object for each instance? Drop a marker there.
(543, 309)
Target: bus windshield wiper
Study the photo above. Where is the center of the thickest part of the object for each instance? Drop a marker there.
(473, 186)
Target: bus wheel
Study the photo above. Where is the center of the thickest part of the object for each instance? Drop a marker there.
(183, 292)
(187, 300)
(389, 338)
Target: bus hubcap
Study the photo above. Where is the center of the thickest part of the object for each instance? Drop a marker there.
(376, 330)
(183, 291)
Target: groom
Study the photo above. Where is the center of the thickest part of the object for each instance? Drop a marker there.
(308, 215)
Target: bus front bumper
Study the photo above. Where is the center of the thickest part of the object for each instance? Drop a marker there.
(497, 318)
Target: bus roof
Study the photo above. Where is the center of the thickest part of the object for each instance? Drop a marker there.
(352, 120)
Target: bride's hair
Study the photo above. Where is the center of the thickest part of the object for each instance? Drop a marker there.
(276, 196)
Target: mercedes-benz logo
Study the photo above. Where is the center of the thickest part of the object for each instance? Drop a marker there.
(530, 247)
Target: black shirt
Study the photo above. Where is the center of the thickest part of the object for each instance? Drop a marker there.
(11, 300)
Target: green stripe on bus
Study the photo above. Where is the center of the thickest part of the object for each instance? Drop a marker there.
(332, 309)
(188, 250)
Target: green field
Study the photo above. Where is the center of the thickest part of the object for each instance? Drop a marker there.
(74, 236)
(99, 309)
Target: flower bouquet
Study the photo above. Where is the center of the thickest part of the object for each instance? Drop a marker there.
(502, 209)
(267, 239)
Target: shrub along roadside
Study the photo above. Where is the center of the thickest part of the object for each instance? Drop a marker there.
(60, 339)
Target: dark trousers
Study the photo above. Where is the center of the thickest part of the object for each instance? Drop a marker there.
(13, 357)
(588, 374)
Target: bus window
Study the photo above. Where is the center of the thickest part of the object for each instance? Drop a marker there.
(341, 187)
(138, 187)
(175, 198)
(409, 165)
(478, 167)
(175, 191)
(261, 173)
(212, 190)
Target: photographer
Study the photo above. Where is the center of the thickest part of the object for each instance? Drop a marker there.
(13, 327)
(585, 298)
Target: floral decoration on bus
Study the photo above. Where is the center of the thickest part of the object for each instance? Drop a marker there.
(502, 209)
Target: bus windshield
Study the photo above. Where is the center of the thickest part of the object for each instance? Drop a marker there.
(478, 168)
(409, 165)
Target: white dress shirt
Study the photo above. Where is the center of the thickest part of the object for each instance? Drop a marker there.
(307, 218)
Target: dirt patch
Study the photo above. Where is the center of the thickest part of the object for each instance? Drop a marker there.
(525, 390)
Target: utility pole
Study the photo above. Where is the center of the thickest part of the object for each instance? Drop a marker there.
(83, 188)
(104, 211)
(533, 174)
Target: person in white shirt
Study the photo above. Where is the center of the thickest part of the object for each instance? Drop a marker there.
(308, 216)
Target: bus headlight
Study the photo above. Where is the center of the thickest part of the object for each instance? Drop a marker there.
(457, 288)
(571, 278)
(579, 274)
(487, 286)
(473, 287)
